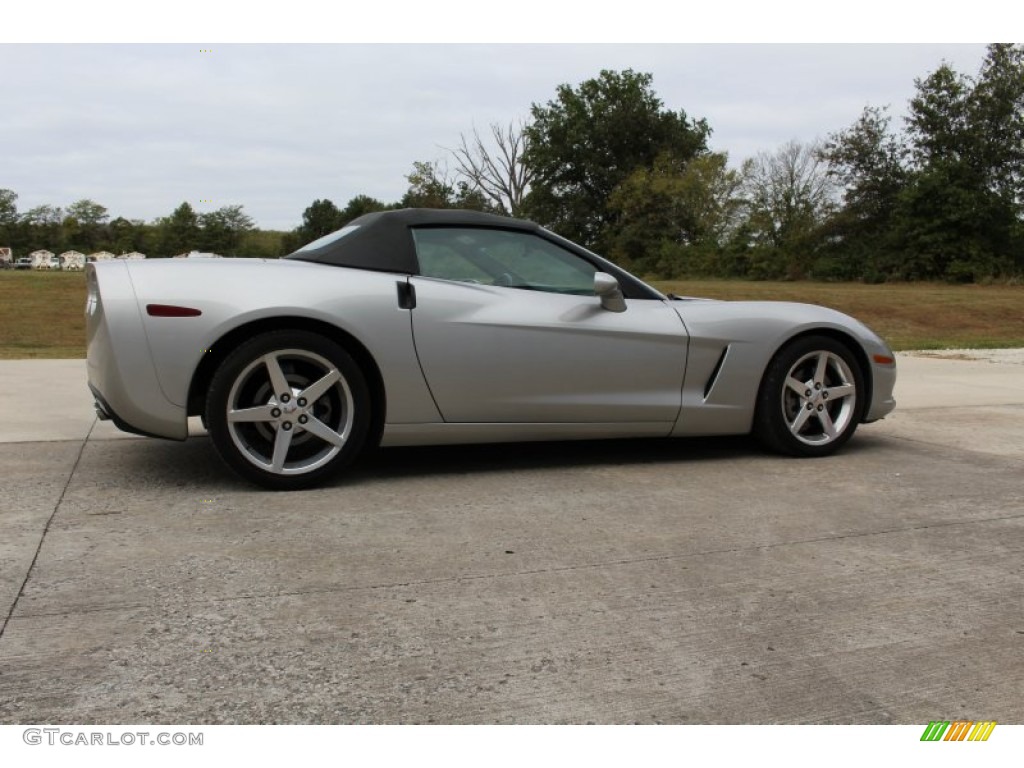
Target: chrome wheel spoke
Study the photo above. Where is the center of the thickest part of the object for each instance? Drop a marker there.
(259, 413)
(837, 393)
(798, 423)
(827, 426)
(277, 378)
(282, 443)
(822, 368)
(316, 390)
(797, 386)
(316, 427)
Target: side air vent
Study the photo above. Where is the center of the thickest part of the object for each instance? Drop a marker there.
(714, 373)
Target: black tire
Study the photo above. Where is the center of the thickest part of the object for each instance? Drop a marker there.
(281, 440)
(817, 417)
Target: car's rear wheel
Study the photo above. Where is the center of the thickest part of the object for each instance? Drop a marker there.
(812, 398)
(287, 409)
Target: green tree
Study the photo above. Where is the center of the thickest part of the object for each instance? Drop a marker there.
(960, 218)
(945, 199)
(432, 186)
(674, 218)
(938, 123)
(589, 139)
(949, 228)
(323, 217)
(997, 113)
(221, 231)
(88, 213)
(179, 232)
(8, 218)
(84, 226)
(126, 236)
(429, 187)
(43, 227)
(8, 207)
(868, 160)
(263, 244)
(358, 206)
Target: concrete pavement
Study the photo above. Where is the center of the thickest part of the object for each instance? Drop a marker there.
(68, 413)
(964, 399)
(694, 581)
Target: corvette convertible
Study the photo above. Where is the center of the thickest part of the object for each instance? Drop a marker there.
(426, 327)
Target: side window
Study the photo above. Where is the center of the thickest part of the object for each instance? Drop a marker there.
(440, 259)
(503, 258)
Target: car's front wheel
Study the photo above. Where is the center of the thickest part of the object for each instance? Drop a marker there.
(812, 398)
(287, 409)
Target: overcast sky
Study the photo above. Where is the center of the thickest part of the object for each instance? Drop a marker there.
(141, 128)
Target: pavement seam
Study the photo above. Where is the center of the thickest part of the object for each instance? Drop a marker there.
(46, 529)
(533, 571)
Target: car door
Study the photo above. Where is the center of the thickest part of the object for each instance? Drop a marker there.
(508, 329)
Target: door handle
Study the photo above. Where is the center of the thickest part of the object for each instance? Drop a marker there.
(406, 295)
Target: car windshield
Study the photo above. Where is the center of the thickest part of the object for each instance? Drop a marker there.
(328, 239)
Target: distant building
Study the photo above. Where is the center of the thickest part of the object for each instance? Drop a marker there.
(134, 256)
(6, 257)
(73, 260)
(101, 256)
(43, 260)
(198, 255)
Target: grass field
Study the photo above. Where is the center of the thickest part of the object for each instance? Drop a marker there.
(907, 315)
(42, 313)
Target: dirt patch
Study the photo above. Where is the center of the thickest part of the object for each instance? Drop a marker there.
(998, 356)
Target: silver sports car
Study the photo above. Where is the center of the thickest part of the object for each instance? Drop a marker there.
(419, 327)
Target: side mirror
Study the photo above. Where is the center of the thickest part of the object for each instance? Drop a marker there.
(607, 289)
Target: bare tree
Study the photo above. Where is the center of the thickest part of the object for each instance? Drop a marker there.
(497, 171)
(789, 195)
(790, 190)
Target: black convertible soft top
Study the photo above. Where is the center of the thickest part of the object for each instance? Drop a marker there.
(383, 242)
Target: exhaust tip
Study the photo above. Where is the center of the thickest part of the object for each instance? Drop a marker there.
(101, 413)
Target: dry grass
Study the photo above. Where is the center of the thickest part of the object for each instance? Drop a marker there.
(907, 315)
(42, 313)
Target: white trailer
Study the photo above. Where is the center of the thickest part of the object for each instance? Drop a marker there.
(73, 260)
(43, 259)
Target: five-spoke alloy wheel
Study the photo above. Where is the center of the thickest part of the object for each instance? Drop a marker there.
(288, 408)
(812, 398)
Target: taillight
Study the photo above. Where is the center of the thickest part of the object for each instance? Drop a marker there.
(171, 310)
(92, 292)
